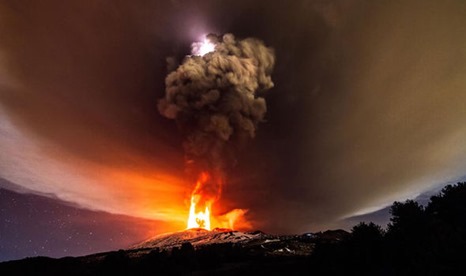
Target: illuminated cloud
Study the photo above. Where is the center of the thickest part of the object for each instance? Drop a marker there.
(368, 104)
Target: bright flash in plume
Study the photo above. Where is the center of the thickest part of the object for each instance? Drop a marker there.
(203, 47)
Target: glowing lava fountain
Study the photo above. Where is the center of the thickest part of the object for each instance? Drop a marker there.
(199, 219)
(201, 203)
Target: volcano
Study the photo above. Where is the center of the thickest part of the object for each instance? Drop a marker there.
(256, 241)
(194, 251)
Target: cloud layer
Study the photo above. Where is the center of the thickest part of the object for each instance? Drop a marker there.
(368, 104)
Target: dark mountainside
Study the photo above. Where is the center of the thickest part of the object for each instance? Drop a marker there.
(193, 251)
(419, 240)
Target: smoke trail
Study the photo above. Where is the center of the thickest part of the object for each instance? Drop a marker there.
(214, 98)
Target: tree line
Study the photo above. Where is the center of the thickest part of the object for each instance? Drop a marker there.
(419, 240)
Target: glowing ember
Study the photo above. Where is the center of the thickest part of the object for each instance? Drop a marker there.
(202, 48)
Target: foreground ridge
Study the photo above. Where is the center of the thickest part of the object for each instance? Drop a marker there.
(204, 252)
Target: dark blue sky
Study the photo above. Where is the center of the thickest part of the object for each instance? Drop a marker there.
(34, 225)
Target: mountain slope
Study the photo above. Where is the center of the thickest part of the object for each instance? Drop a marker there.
(188, 252)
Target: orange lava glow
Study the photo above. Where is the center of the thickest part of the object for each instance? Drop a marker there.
(200, 201)
(199, 219)
(204, 196)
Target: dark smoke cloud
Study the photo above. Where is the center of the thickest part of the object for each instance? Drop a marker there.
(214, 98)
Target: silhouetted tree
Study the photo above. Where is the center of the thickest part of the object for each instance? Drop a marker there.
(449, 207)
(367, 233)
(407, 219)
(407, 237)
(364, 251)
(447, 214)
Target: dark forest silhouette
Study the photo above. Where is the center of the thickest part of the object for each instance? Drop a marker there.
(419, 240)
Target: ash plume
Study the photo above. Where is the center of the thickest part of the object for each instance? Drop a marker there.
(216, 98)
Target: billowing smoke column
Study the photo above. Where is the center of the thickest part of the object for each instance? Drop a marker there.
(213, 96)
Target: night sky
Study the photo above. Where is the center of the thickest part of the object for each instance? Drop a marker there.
(368, 107)
(35, 225)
